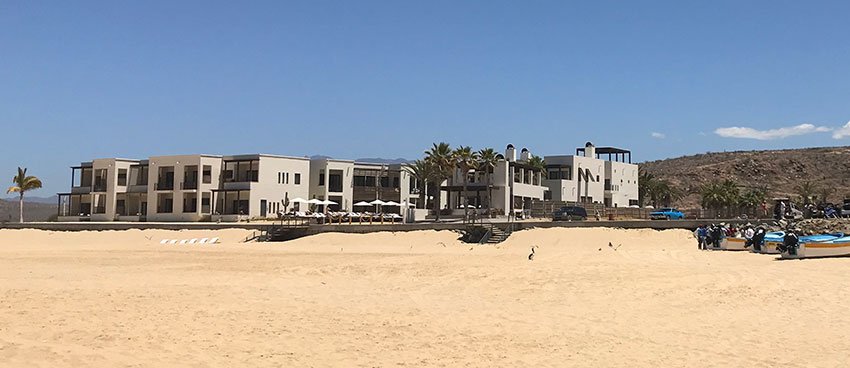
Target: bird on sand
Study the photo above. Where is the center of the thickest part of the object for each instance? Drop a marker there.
(531, 256)
(613, 247)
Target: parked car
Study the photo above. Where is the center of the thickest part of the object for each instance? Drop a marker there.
(667, 214)
(569, 213)
(845, 209)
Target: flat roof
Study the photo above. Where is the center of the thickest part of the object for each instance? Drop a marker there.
(258, 155)
(606, 150)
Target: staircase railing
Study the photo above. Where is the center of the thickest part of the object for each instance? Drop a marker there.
(487, 235)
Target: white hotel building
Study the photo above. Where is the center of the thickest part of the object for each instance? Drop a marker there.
(223, 188)
(587, 178)
(233, 188)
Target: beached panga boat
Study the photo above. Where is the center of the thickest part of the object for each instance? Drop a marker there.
(733, 243)
(772, 240)
(825, 245)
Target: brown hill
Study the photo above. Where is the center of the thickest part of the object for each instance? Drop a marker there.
(33, 211)
(779, 171)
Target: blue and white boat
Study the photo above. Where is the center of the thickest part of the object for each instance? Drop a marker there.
(824, 245)
(772, 240)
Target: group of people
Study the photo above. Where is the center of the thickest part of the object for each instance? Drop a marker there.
(710, 236)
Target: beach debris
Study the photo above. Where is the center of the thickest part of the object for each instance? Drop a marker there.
(441, 243)
(610, 245)
(531, 255)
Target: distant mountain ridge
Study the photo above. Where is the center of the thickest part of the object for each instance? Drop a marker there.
(390, 161)
(779, 171)
(373, 160)
(33, 211)
(54, 199)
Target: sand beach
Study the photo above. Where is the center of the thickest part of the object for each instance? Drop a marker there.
(417, 299)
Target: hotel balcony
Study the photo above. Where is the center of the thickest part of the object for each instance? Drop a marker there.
(165, 185)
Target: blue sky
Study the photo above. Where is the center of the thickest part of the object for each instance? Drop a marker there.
(81, 80)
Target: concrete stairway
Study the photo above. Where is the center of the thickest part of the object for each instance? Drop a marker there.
(497, 235)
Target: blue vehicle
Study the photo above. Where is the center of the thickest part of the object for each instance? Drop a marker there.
(667, 214)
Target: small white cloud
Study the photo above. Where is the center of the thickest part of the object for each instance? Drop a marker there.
(658, 135)
(778, 133)
(842, 132)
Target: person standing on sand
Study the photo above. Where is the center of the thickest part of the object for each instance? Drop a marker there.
(748, 236)
(598, 216)
(701, 235)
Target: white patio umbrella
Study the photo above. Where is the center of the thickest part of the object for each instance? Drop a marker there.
(328, 202)
(298, 200)
(393, 204)
(362, 204)
(315, 201)
(377, 203)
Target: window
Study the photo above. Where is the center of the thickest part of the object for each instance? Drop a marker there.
(279, 180)
(297, 178)
(396, 182)
(122, 177)
(321, 179)
(207, 174)
(385, 182)
(359, 181)
(286, 178)
(205, 203)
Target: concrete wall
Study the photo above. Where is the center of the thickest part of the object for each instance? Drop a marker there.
(179, 163)
(324, 166)
(624, 181)
(273, 191)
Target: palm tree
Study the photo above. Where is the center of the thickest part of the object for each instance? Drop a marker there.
(646, 181)
(719, 195)
(440, 159)
(537, 164)
(806, 190)
(752, 199)
(422, 171)
(487, 161)
(23, 184)
(825, 192)
(465, 159)
(655, 190)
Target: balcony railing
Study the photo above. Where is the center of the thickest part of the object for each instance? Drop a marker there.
(165, 186)
(189, 185)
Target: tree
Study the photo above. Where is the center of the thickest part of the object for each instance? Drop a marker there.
(487, 160)
(465, 159)
(421, 171)
(440, 159)
(806, 190)
(656, 191)
(23, 184)
(537, 164)
(646, 186)
(718, 195)
(752, 198)
(825, 192)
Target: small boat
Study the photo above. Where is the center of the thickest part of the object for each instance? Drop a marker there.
(733, 243)
(772, 241)
(823, 245)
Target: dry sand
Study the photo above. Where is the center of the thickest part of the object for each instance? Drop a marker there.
(414, 299)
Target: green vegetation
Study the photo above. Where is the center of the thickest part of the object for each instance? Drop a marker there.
(23, 184)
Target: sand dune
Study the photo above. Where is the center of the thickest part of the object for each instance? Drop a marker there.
(413, 299)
